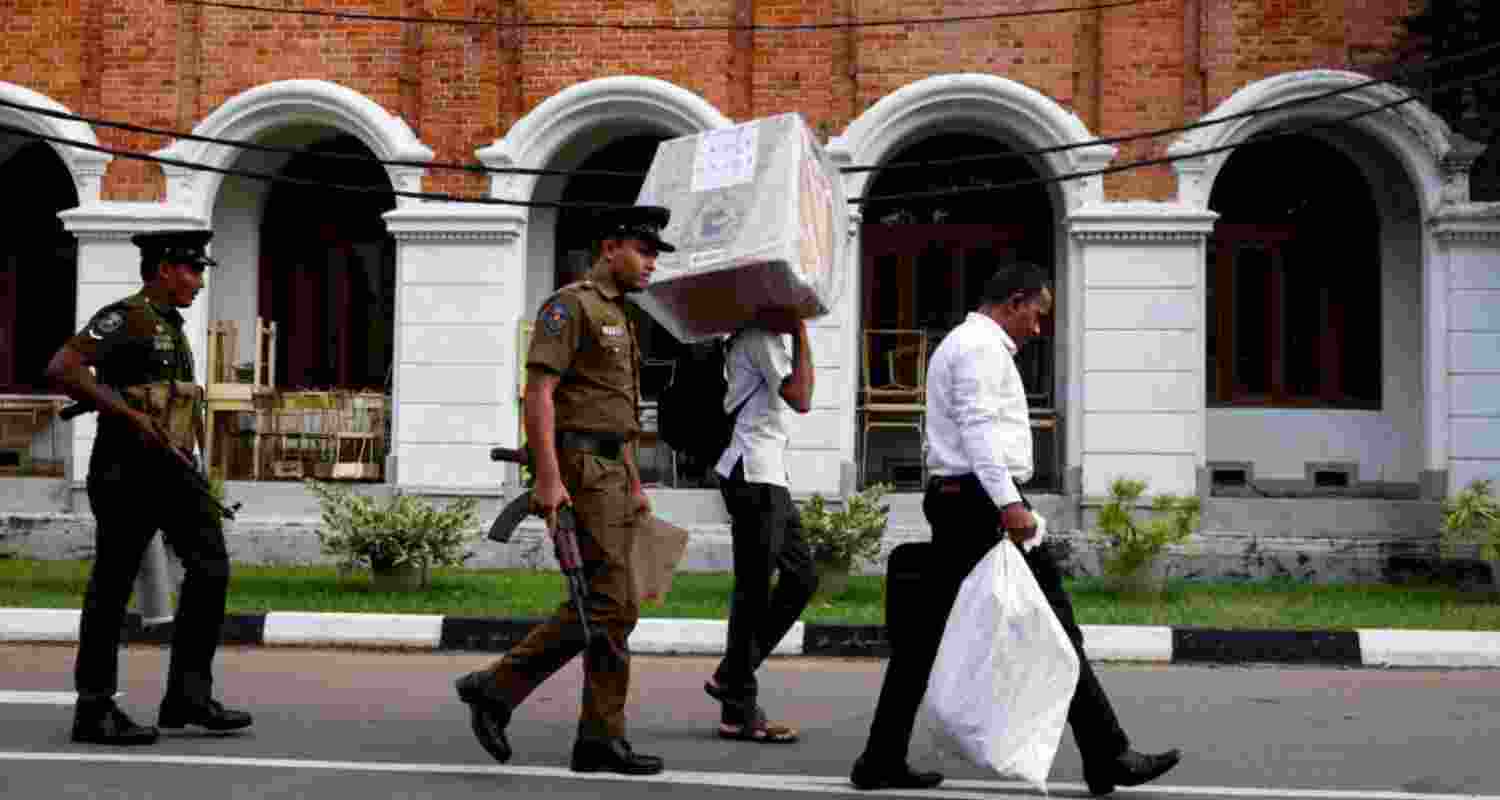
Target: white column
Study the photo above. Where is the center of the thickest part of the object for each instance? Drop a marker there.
(1467, 401)
(460, 278)
(1140, 272)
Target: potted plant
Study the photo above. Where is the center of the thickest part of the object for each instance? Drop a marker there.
(399, 540)
(1471, 518)
(838, 539)
(1132, 549)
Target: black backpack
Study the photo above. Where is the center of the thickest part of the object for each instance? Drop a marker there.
(690, 415)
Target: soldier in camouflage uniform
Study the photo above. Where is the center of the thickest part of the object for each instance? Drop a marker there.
(582, 416)
(136, 489)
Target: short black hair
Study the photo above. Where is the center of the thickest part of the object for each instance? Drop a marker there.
(1010, 278)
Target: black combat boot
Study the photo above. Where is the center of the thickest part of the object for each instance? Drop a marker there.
(613, 755)
(102, 722)
(488, 714)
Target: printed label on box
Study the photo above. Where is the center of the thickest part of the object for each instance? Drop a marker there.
(725, 157)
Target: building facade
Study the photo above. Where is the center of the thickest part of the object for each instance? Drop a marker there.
(1313, 314)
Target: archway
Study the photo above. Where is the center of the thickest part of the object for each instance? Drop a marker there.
(1317, 271)
(42, 263)
(38, 292)
(315, 260)
(610, 124)
(991, 115)
(925, 261)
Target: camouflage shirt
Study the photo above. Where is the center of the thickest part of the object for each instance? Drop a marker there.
(130, 342)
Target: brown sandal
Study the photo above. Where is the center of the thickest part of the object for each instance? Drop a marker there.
(760, 731)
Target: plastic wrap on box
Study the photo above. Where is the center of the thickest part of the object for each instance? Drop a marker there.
(759, 218)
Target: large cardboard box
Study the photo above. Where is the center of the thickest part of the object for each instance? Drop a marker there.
(759, 218)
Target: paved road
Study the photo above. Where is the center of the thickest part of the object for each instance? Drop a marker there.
(358, 724)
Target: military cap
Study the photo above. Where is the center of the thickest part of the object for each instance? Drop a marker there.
(636, 222)
(175, 247)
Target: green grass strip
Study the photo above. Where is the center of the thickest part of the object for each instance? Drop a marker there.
(1277, 604)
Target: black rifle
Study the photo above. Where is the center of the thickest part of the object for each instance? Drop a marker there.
(194, 478)
(564, 536)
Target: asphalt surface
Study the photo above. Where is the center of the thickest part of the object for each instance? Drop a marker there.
(362, 724)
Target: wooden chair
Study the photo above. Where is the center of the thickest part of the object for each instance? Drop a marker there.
(894, 373)
(225, 394)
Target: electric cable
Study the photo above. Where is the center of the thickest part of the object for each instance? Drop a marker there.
(954, 191)
(978, 158)
(656, 26)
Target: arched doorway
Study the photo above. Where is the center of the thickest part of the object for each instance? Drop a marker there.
(661, 353)
(925, 262)
(38, 290)
(1294, 287)
(328, 271)
(1314, 320)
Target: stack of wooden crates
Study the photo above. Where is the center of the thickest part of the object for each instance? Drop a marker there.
(269, 433)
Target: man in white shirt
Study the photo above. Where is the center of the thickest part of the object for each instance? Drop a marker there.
(770, 372)
(979, 450)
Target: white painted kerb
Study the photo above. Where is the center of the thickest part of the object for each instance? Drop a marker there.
(1394, 648)
(1127, 642)
(39, 624)
(698, 637)
(405, 630)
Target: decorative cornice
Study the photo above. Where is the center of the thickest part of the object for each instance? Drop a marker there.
(110, 221)
(1467, 222)
(1138, 236)
(456, 222)
(504, 237)
(1140, 222)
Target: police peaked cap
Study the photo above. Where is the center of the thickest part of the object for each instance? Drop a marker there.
(175, 247)
(636, 222)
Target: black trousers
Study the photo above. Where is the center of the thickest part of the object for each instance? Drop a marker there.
(767, 531)
(965, 527)
(131, 502)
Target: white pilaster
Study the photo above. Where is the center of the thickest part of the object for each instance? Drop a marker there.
(1466, 422)
(460, 283)
(1140, 271)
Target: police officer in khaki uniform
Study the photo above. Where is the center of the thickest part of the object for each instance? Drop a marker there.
(139, 483)
(581, 416)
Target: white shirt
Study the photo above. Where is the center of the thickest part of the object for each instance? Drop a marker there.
(758, 362)
(977, 418)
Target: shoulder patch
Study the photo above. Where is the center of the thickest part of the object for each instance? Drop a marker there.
(554, 316)
(106, 323)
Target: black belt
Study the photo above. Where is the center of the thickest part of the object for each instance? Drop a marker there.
(604, 445)
(953, 484)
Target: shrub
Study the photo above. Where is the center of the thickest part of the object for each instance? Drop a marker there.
(1132, 545)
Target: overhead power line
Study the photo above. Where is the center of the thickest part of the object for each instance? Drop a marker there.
(990, 188)
(1408, 71)
(1151, 162)
(656, 26)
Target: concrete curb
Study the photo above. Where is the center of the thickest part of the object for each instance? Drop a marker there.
(1158, 644)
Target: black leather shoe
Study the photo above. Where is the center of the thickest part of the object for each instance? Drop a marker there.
(488, 715)
(105, 723)
(208, 714)
(1130, 769)
(613, 755)
(866, 776)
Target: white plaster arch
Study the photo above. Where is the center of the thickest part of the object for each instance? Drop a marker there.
(86, 167)
(624, 100)
(974, 103)
(258, 112)
(1417, 138)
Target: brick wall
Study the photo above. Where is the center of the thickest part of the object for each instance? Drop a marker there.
(460, 87)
